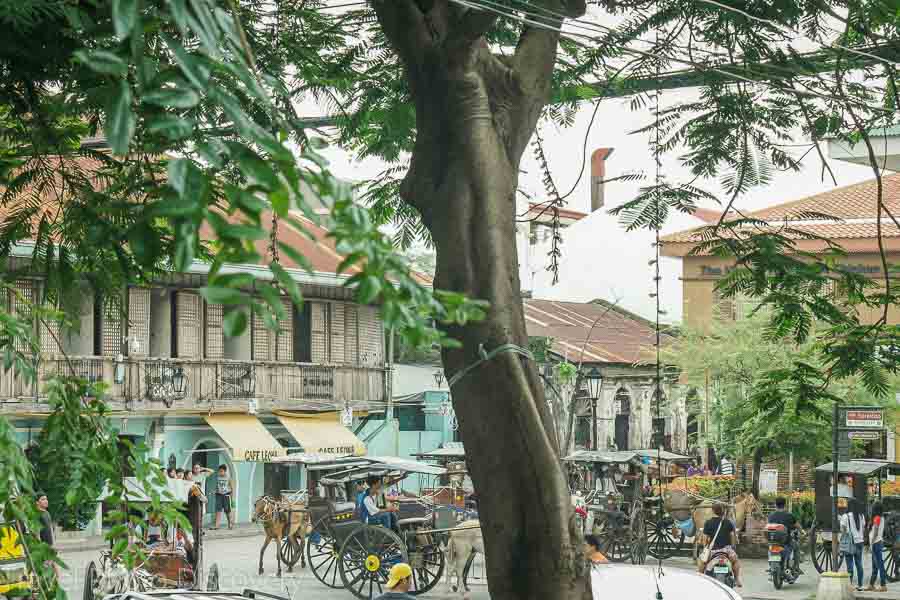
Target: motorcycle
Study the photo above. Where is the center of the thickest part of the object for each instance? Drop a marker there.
(779, 569)
(719, 568)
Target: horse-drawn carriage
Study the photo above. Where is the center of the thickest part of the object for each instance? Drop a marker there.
(175, 562)
(343, 552)
(860, 482)
(615, 503)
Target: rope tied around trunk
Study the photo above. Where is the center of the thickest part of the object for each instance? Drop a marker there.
(485, 356)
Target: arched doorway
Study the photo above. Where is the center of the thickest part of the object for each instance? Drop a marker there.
(623, 418)
(203, 456)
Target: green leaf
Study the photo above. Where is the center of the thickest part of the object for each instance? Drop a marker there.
(172, 127)
(125, 15)
(299, 259)
(102, 62)
(172, 97)
(287, 282)
(120, 121)
(191, 65)
(223, 295)
(235, 322)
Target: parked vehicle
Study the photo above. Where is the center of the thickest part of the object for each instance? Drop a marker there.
(719, 568)
(628, 581)
(15, 576)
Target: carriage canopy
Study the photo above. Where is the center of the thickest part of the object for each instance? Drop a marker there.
(865, 467)
(606, 457)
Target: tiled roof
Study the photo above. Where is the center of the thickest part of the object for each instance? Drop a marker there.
(320, 250)
(854, 206)
(543, 212)
(617, 336)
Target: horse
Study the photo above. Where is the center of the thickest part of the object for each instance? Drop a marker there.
(686, 507)
(274, 517)
(464, 542)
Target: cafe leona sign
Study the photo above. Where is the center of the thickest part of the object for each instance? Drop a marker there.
(865, 418)
(257, 454)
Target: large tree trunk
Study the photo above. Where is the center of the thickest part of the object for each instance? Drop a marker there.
(757, 466)
(475, 113)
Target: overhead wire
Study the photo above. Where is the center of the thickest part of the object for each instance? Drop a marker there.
(478, 5)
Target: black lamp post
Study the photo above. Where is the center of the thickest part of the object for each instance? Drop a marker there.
(248, 384)
(439, 378)
(594, 380)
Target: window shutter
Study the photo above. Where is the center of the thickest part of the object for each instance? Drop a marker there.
(139, 320)
(371, 337)
(110, 327)
(319, 314)
(20, 304)
(284, 349)
(337, 332)
(187, 311)
(215, 338)
(261, 339)
(351, 334)
(724, 307)
(51, 334)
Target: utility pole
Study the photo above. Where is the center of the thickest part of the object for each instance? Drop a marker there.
(835, 528)
(704, 447)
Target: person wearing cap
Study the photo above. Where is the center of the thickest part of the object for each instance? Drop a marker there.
(399, 581)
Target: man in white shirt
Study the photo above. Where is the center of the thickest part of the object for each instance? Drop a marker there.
(726, 467)
(372, 513)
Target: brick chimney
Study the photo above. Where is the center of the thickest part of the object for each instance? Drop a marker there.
(598, 174)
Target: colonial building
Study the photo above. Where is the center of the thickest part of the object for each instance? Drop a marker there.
(193, 395)
(853, 227)
(617, 346)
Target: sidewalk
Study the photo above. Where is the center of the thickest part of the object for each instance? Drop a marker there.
(71, 541)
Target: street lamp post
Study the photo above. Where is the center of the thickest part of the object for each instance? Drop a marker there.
(594, 379)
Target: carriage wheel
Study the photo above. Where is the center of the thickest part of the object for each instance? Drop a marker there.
(321, 554)
(289, 551)
(638, 531)
(367, 556)
(616, 545)
(91, 582)
(662, 543)
(891, 566)
(428, 567)
(212, 578)
(820, 551)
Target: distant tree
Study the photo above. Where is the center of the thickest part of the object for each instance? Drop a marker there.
(759, 415)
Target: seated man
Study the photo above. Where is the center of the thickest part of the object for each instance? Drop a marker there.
(782, 516)
(372, 513)
(592, 550)
(725, 541)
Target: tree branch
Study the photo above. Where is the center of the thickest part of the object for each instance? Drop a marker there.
(405, 27)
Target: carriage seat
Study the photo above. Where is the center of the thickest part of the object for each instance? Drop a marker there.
(412, 521)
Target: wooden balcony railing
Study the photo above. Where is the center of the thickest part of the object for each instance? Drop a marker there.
(162, 383)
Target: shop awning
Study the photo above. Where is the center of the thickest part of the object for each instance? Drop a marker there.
(323, 436)
(248, 439)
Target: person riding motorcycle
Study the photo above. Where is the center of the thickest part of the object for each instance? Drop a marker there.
(782, 516)
(725, 541)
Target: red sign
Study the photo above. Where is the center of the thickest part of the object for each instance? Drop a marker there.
(865, 419)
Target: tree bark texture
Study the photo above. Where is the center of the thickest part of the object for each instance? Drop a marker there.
(475, 113)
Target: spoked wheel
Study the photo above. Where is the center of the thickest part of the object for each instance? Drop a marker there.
(777, 579)
(290, 551)
(92, 582)
(616, 546)
(891, 566)
(820, 550)
(427, 564)
(662, 541)
(638, 530)
(367, 556)
(322, 554)
(212, 578)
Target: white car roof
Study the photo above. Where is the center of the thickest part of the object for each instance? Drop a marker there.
(640, 582)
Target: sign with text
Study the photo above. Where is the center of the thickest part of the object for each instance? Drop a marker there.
(257, 455)
(865, 435)
(865, 419)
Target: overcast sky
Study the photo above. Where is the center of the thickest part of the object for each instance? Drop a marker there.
(601, 260)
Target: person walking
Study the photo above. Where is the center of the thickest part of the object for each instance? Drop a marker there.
(398, 583)
(852, 536)
(46, 533)
(876, 544)
(726, 467)
(224, 490)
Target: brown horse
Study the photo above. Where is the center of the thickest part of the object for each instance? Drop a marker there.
(280, 520)
(683, 506)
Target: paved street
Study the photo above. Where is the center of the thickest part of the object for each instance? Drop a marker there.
(237, 560)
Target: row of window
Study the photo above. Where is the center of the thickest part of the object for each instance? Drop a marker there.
(160, 322)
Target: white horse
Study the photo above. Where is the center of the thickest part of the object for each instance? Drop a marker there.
(465, 541)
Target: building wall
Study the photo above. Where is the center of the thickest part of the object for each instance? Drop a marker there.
(702, 272)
